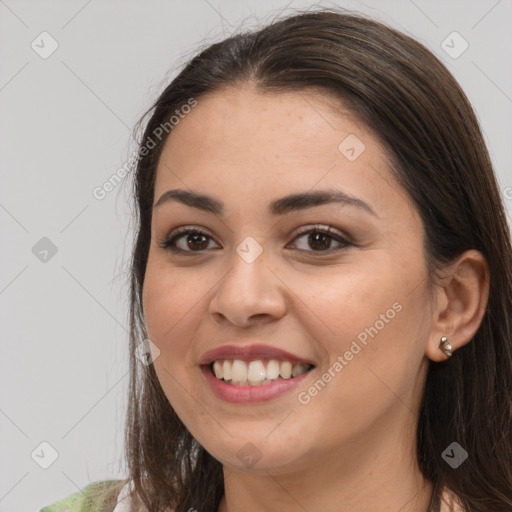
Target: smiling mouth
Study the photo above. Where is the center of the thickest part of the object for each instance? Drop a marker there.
(257, 372)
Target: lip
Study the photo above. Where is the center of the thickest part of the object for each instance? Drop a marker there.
(249, 353)
(250, 394)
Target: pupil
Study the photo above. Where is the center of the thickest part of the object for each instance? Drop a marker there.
(194, 238)
(314, 238)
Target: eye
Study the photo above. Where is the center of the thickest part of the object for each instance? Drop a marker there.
(194, 240)
(320, 239)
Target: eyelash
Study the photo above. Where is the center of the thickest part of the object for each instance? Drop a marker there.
(169, 242)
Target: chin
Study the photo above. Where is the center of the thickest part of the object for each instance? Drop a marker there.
(255, 454)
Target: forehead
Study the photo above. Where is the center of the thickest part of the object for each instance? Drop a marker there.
(243, 119)
(248, 145)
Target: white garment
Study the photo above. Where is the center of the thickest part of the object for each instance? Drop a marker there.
(123, 500)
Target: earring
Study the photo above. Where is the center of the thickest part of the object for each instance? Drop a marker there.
(446, 346)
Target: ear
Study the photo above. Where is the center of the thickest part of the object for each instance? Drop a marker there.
(461, 298)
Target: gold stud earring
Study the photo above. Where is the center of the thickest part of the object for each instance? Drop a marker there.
(446, 346)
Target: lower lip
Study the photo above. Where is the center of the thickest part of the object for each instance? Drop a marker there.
(249, 394)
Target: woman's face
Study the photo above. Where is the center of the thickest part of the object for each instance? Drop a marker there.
(353, 303)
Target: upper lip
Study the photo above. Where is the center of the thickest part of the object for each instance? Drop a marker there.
(249, 353)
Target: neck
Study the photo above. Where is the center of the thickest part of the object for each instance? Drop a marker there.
(257, 493)
(379, 475)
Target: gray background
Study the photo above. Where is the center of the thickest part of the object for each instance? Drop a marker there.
(66, 123)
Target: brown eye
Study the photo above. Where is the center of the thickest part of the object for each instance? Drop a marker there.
(196, 241)
(191, 240)
(321, 239)
(186, 240)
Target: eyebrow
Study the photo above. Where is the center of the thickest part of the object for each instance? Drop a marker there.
(282, 206)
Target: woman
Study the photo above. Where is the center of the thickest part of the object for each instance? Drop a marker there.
(321, 287)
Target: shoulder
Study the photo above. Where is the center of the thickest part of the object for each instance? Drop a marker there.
(100, 496)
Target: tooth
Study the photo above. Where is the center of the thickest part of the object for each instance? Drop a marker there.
(285, 369)
(239, 371)
(226, 369)
(272, 371)
(256, 371)
(217, 368)
(299, 369)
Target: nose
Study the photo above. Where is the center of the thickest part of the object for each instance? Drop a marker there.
(249, 293)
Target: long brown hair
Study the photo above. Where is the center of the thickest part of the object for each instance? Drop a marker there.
(409, 99)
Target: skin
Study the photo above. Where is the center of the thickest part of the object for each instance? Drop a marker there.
(352, 447)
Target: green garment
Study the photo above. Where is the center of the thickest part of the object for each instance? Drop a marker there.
(96, 497)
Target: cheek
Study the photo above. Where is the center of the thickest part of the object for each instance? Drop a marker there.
(374, 319)
(346, 303)
(170, 303)
(372, 367)
(171, 306)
